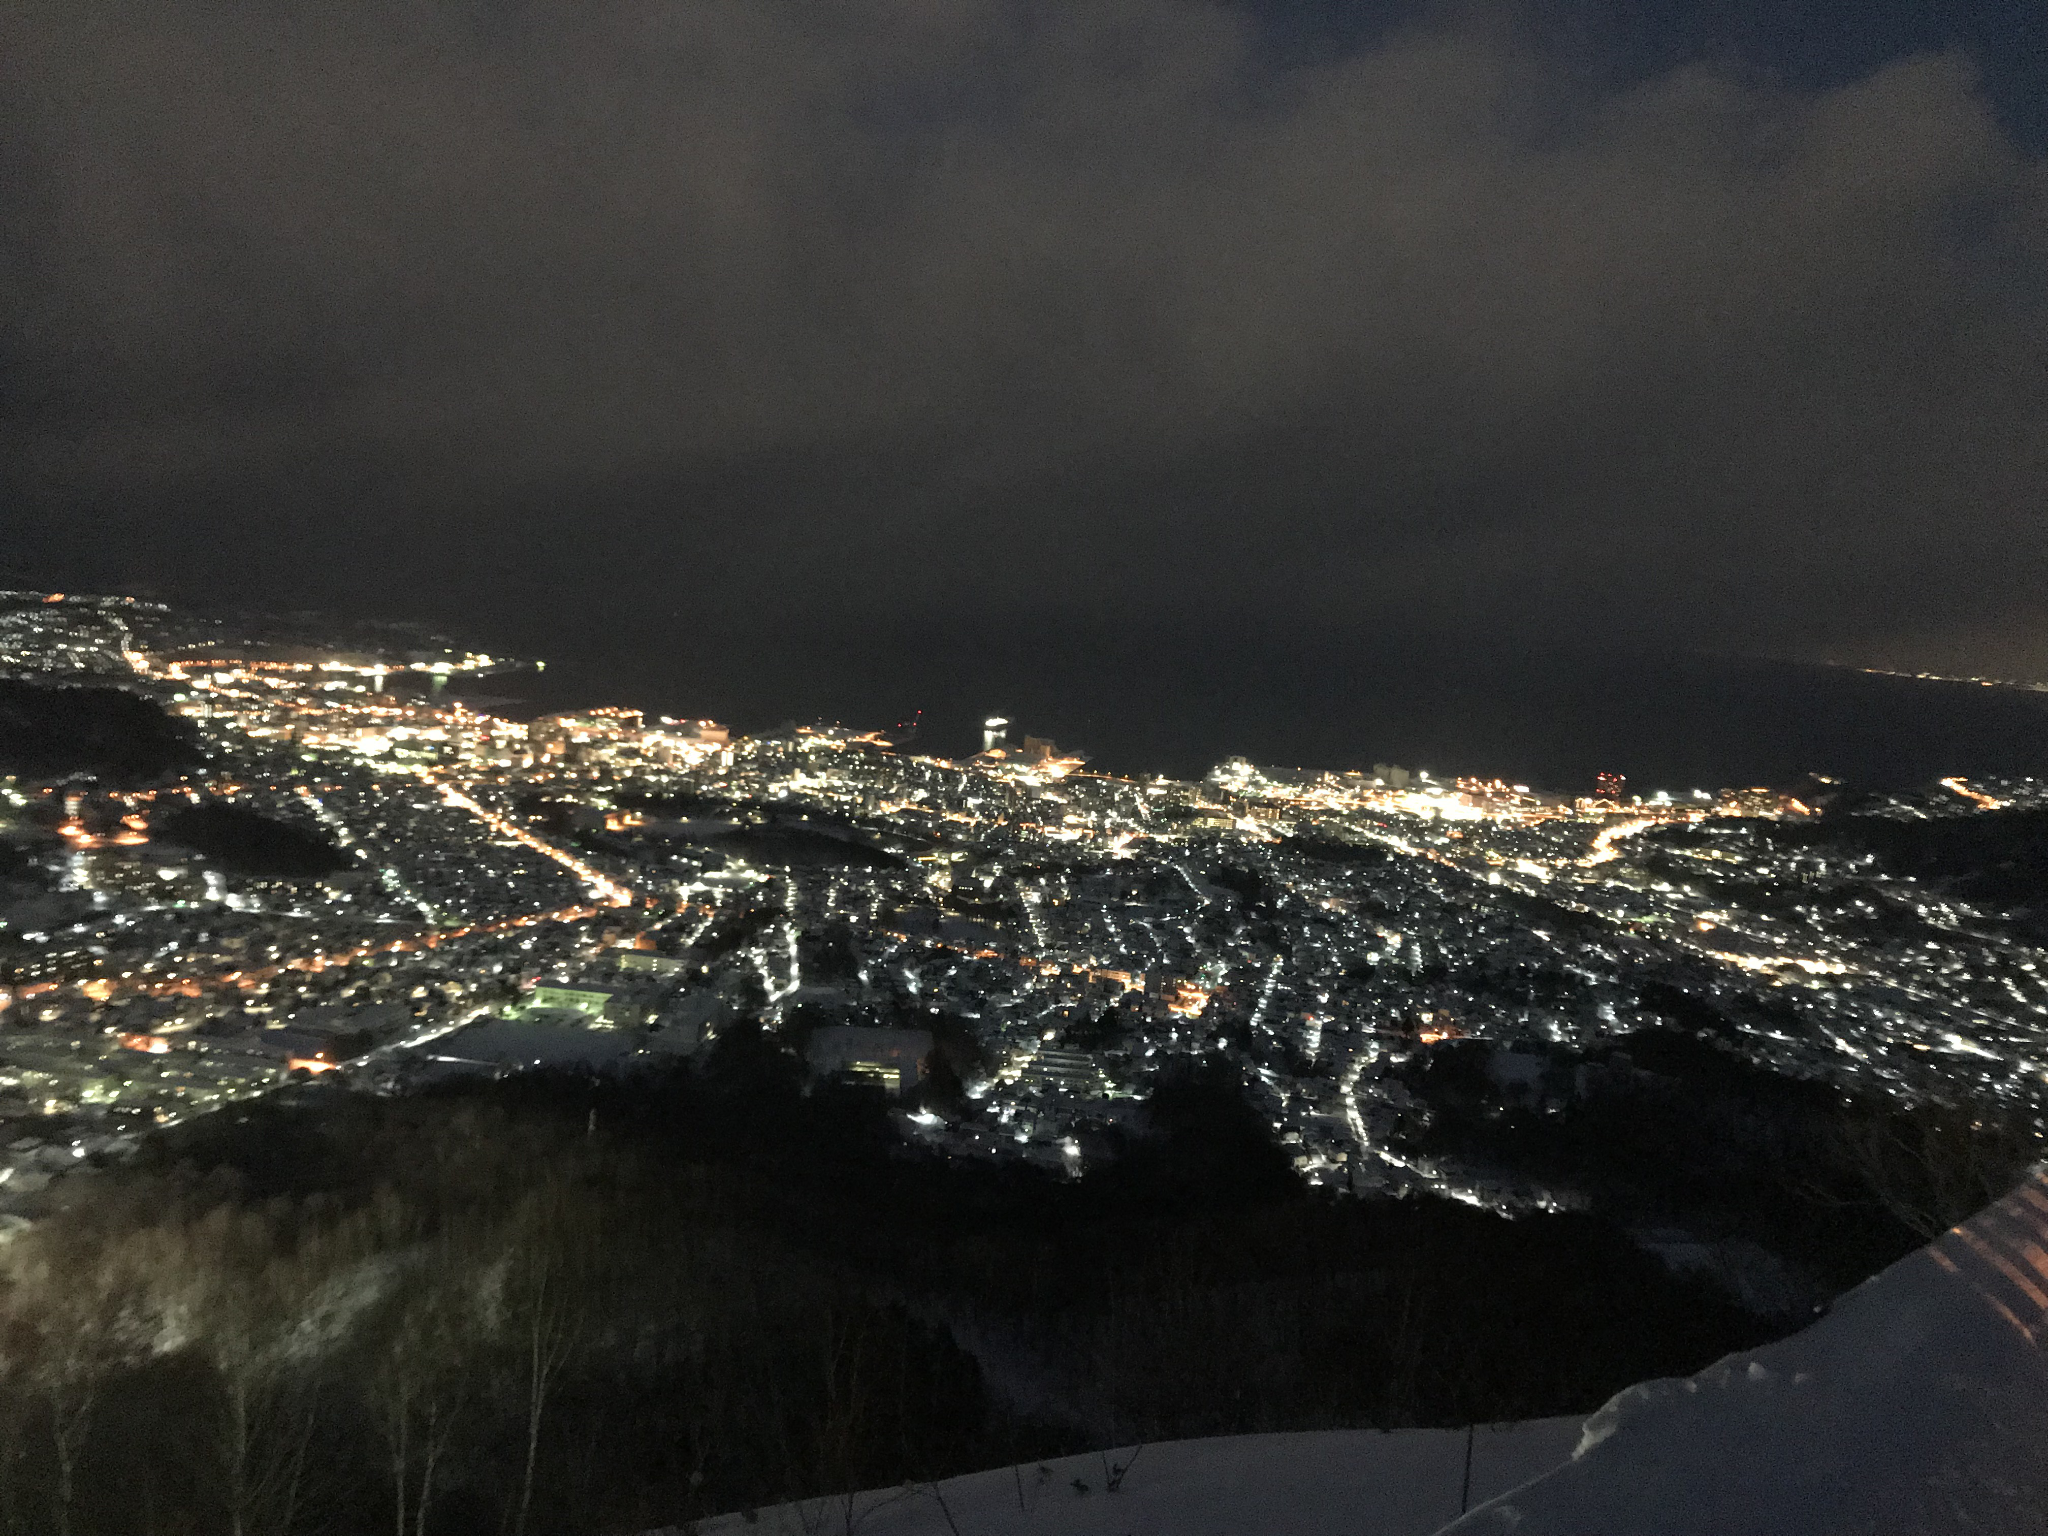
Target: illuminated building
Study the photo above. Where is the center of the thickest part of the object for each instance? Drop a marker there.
(891, 1058)
(1059, 1071)
(647, 960)
(573, 996)
(1750, 802)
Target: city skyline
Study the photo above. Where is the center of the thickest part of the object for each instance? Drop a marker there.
(679, 880)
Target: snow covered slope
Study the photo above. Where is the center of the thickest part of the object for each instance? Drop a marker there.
(1918, 1404)
(1332, 1483)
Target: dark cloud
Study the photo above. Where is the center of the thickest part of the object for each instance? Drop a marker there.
(807, 310)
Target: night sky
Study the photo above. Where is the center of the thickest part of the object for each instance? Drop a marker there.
(1179, 372)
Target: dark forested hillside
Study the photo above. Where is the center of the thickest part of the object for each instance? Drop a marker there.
(243, 840)
(1997, 857)
(107, 733)
(2000, 857)
(559, 1305)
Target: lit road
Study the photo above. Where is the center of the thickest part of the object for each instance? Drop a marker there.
(608, 891)
(256, 976)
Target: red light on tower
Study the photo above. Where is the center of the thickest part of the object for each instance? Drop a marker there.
(1609, 785)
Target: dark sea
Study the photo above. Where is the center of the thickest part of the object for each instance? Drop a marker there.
(1178, 704)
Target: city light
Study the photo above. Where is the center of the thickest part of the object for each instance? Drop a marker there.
(1324, 931)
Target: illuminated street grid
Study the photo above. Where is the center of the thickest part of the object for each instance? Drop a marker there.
(1078, 931)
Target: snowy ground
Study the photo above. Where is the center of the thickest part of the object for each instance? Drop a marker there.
(1919, 1404)
(1333, 1483)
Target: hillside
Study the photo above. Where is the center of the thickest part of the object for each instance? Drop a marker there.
(1918, 1404)
(108, 733)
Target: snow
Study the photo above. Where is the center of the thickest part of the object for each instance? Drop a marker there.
(1918, 1404)
(1329, 1483)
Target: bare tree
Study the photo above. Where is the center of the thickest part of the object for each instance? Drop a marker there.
(16, 1348)
(939, 1496)
(71, 1381)
(419, 1378)
(541, 1304)
(80, 1312)
(1933, 1166)
(254, 1291)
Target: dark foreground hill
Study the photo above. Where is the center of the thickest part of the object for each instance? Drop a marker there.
(707, 1290)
